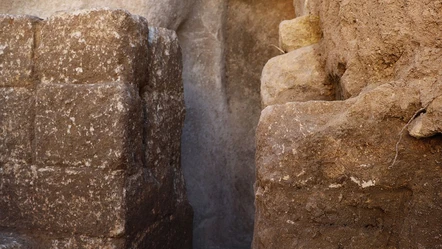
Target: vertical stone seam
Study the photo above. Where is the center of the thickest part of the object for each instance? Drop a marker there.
(35, 81)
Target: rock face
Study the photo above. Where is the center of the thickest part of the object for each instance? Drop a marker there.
(295, 76)
(168, 14)
(351, 173)
(90, 145)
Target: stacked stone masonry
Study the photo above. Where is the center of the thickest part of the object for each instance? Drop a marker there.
(363, 171)
(91, 112)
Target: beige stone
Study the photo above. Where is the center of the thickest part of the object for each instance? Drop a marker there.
(299, 32)
(295, 76)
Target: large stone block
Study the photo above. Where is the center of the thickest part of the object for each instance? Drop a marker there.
(95, 125)
(17, 42)
(295, 76)
(299, 32)
(93, 46)
(86, 201)
(16, 124)
(337, 174)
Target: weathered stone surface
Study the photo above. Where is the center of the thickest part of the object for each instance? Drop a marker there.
(295, 76)
(299, 32)
(16, 128)
(61, 200)
(87, 125)
(168, 13)
(13, 241)
(93, 46)
(17, 42)
(96, 164)
(327, 175)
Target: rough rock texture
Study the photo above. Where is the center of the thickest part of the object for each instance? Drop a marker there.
(169, 13)
(16, 51)
(346, 174)
(295, 76)
(90, 154)
(299, 32)
(98, 46)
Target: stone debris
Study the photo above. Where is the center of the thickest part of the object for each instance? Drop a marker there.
(90, 133)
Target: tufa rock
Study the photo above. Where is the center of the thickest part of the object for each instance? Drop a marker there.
(299, 32)
(295, 76)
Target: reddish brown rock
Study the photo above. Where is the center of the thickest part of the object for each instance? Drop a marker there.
(93, 46)
(17, 43)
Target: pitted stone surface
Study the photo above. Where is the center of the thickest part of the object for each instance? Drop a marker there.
(17, 42)
(87, 125)
(61, 200)
(93, 46)
(16, 124)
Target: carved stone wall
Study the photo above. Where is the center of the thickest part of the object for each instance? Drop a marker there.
(91, 111)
